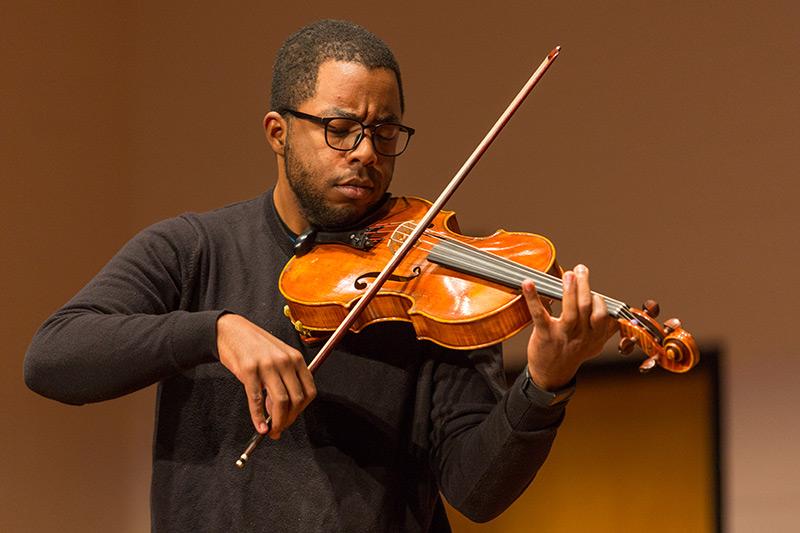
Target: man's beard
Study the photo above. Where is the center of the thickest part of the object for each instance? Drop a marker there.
(310, 193)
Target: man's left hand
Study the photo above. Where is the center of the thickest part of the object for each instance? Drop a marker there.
(559, 345)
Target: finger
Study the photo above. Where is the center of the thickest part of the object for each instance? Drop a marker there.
(601, 321)
(255, 402)
(278, 405)
(599, 313)
(538, 311)
(569, 302)
(307, 382)
(294, 387)
(583, 295)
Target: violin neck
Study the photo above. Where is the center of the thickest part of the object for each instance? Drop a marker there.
(470, 260)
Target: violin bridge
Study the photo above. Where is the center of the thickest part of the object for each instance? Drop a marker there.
(400, 234)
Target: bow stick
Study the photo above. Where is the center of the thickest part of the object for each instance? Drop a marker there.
(412, 239)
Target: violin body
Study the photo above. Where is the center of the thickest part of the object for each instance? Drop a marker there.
(460, 292)
(448, 307)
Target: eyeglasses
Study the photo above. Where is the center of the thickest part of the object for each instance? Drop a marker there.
(344, 134)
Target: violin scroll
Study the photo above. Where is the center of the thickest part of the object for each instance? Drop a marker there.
(669, 346)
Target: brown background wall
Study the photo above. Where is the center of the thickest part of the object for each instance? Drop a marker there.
(660, 149)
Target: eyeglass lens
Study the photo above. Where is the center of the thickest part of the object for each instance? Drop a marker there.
(345, 134)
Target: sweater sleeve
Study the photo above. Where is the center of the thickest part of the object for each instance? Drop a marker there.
(487, 444)
(128, 327)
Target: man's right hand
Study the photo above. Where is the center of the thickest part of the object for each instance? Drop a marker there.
(261, 361)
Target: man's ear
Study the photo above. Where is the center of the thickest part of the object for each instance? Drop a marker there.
(275, 128)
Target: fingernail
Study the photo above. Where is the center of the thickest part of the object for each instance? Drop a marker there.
(262, 427)
(568, 278)
(581, 269)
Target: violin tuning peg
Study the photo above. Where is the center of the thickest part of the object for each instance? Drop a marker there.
(626, 345)
(651, 308)
(648, 364)
(671, 325)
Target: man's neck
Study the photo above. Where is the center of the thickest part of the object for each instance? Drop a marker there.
(288, 208)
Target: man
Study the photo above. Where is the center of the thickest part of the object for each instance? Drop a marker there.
(192, 303)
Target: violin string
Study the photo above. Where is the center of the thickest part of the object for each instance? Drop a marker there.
(470, 257)
(472, 260)
(451, 252)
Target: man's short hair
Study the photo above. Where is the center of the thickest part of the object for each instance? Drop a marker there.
(294, 76)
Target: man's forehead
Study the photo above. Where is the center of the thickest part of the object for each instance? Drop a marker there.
(352, 88)
(349, 66)
(336, 111)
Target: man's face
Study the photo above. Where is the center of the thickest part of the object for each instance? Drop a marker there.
(335, 188)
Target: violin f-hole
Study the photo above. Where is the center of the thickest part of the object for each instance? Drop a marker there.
(361, 285)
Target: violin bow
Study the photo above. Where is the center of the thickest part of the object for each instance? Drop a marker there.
(412, 239)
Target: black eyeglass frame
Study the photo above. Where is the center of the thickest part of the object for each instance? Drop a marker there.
(324, 121)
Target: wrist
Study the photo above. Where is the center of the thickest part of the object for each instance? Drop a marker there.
(549, 397)
(550, 381)
(224, 321)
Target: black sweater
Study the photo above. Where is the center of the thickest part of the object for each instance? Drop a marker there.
(396, 420)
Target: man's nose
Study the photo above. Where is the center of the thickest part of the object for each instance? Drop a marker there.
(365, 152)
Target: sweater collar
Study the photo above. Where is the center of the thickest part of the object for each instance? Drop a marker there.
(283, 236)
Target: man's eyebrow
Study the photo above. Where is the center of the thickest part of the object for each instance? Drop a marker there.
(391, 117)
(338, 112)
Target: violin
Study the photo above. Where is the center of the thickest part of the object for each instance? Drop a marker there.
(458, 291)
